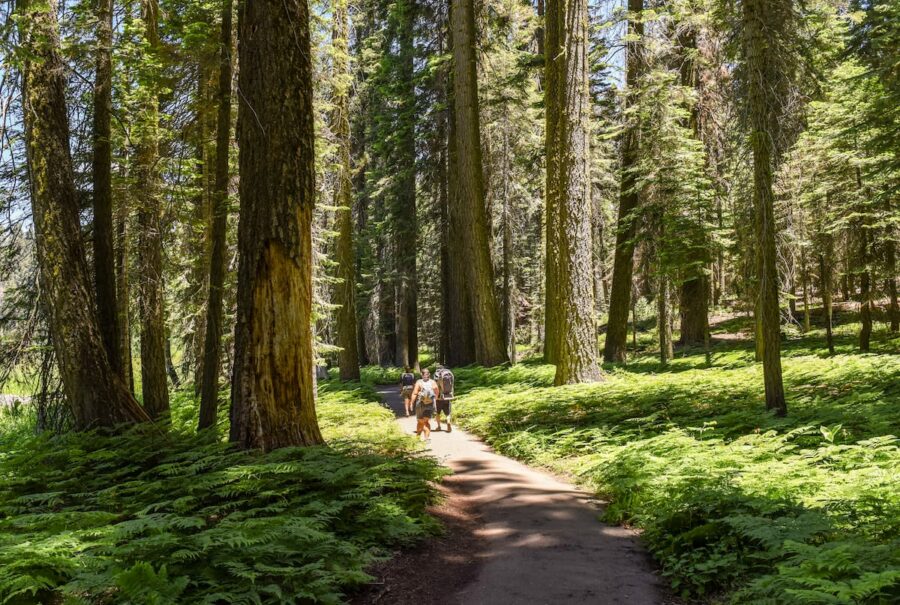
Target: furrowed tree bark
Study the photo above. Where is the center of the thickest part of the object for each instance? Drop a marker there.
(94, 391)
(552, 49)
(212, 345)
(460, 338)
(890, 254)
(825, 286)
(405, 209)
(475, 234)
(509, 279)
(695, 289)
(663, 321)
(614, 350)
(154, 386)
(865, 291)
(759, 24)
(568, 187)
(345, 247)
(101, 173)
(273, 402)
(123, 291)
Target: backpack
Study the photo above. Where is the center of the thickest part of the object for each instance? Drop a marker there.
(407, 379)
(445, 381)
(426, 393)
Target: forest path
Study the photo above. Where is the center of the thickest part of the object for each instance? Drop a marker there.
(536, 540)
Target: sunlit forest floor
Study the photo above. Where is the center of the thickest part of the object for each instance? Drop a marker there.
(735, 503)
(170, 517)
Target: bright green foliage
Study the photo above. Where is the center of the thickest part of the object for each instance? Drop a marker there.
(152, 517)
(803, 509)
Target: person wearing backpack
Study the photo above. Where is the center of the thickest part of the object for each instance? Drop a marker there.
(407, 383)
(445, 379)
(424, 394)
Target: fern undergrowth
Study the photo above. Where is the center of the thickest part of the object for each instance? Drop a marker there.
(155, 516)
(735, 504)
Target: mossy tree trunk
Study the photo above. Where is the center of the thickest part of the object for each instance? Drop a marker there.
(760, 24)
(474, 235)
(345, 290)
(101, 173)
(212, 345)
(626, 223)
(569, 234)
(273, 401)
(154, 387)
(95, 392)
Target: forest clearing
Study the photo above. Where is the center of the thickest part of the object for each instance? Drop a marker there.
(449, 302)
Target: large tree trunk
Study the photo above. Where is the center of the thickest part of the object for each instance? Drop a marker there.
(460, 338)
(95, 392)
(405, 205)
(626, 224)
(695, 287)
(694, 310)
(154, 387)
(664, 324)
(101, 170)
(509, 279)
(552, 73)
(891, 282)
(762, 70)
(865, 291)
(475, 234)
(568, 180)
(212, 345)
(825, 287)
(345, 290)
(123, 291)
(273, 401)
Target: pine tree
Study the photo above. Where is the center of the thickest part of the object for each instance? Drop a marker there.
(154, 387)
(473, 231)
(212, 347)
(101, 172)
(626, 225)
(94, 391)
(570, 295)
(345, 290)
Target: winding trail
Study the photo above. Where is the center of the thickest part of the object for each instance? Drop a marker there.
(540, 540)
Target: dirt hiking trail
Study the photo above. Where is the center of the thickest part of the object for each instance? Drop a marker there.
(515, 536)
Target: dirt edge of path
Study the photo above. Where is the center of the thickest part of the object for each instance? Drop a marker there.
(436, 569)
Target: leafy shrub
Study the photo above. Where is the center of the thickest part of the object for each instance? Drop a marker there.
(161, 517)
(734, 502)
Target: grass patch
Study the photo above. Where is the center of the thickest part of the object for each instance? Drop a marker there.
(154, 517)
(734, 502)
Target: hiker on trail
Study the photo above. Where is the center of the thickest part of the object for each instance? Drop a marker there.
(407, 382)
(444, 379)
(424, 394)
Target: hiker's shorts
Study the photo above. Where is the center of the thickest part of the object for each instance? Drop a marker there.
(443, 406)
(424, 410)
(406, 392)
